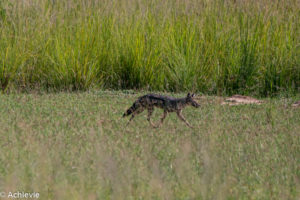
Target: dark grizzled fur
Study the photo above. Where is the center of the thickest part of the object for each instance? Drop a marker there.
(168, 104)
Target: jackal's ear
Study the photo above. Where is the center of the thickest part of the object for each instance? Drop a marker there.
(188, 95)
(193, 95)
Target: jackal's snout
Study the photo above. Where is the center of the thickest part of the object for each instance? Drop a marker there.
(195, 104)
(192, 101)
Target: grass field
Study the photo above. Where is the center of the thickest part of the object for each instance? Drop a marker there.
(76, 146)
(210, 46)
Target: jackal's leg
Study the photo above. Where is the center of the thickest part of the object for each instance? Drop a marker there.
(138, 111)
(150, 112)
(182, 118)
(163, 118)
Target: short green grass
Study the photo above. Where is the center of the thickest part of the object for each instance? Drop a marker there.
(76, 146)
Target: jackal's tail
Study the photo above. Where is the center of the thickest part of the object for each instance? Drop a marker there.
(133, 108)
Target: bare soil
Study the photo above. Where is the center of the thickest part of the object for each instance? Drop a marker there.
(239, 99)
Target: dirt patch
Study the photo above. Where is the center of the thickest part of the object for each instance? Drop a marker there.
(296, 104)
(239, 99)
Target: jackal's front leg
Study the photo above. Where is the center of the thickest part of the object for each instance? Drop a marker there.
(179, 114)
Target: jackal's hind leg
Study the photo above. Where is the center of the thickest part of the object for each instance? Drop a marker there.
(182, 118)
(138, 111)
(163, 118)
(150, 112)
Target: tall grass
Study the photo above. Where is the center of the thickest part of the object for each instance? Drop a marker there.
(217, 46)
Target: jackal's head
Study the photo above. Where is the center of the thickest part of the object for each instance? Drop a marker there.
(191, 101)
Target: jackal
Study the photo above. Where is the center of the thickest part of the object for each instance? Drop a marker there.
(168, 104)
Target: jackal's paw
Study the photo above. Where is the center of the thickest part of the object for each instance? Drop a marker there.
(155, 126)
